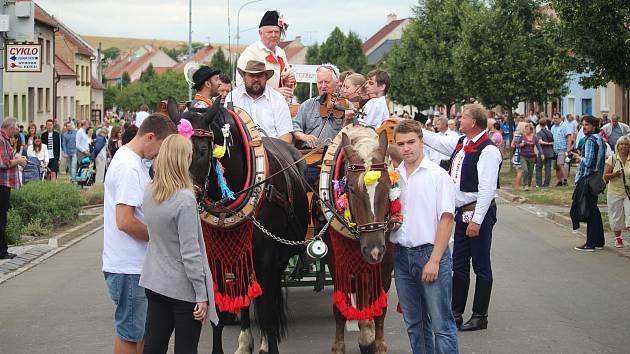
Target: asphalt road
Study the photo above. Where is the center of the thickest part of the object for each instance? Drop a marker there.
(547, 298)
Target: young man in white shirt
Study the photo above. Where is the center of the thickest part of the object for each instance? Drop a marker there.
(266, 106)
(376, 111)
(125, 235)
(423, 264)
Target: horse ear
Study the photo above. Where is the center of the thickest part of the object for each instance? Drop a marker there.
(212, 111)
(383, 143)
(173, 112)
(351, 153)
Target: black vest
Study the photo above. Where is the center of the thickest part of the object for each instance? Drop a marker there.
(469, 180)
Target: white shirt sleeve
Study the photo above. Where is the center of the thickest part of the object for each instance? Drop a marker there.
(129, 190)
(488, 173)
(45, 152)
(282, 116)
(442, 144)
(376, 112)
(446, 193)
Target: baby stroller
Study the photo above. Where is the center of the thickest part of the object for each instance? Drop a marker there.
(85, 172)
(33, 171)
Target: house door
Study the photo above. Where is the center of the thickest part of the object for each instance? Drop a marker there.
(587, 106)
(31, 104)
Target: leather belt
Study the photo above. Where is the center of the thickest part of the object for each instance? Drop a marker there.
(471, 206)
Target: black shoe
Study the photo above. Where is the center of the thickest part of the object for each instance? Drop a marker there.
(458, 321)
(585, 248)
(559, 184)
(8, 255)
(565, 183)
(475, 323)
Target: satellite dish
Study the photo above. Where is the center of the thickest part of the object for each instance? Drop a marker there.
(189, 70)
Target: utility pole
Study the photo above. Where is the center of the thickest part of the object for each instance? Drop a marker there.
(189, 43)
(3, 5)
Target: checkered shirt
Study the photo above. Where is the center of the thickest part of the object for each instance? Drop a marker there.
(8, 175)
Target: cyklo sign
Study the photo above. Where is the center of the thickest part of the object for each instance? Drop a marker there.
(23, 57)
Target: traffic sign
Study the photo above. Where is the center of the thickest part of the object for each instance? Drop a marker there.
(23, 58)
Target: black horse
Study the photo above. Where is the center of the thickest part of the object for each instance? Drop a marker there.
(284, 212)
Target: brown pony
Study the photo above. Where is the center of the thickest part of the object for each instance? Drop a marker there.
(369, 206)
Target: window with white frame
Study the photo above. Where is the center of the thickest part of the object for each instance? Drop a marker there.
(571, 106)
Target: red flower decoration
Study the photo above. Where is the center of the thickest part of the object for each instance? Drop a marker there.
(395, 207)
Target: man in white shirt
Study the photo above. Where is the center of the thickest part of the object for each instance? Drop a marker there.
(475, 164)
(141, 115)
(125, 235)
(83, 144)
(266, 50)
(423, 264)
(266, 106)
(376, 111)
(441, 124)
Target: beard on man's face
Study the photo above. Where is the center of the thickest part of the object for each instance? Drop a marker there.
(255, 89)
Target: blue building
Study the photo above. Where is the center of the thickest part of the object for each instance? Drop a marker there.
(579, 100)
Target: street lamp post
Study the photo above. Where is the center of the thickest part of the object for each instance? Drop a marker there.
(189, 42)
(238, 25)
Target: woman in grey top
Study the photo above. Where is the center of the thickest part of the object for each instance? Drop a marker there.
(175, 274)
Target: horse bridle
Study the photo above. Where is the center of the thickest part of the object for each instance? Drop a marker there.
(371, 226)
(209, 134)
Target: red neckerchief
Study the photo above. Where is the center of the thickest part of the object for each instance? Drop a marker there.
(202, 98)
(272, 59)
(471, 146)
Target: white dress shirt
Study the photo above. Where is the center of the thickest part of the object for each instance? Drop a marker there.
(376, 112)
(270, 111)
(83, 143)
(487, 171)
(259, 52)
(422, 207)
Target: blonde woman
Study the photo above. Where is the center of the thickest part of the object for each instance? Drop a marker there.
(516, 158)
(175, 274)
(530, 151)
(353, 86)
(617, 174)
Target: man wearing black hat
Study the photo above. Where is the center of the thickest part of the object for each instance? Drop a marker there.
(266, 50)
(207, 84)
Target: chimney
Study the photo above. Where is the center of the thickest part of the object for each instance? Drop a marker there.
(391, 18)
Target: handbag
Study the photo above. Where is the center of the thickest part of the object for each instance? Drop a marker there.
(596, 183)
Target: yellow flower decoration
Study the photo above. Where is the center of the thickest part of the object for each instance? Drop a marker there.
(370, 177)
(218, 152)
(394, 176)
(348, 217)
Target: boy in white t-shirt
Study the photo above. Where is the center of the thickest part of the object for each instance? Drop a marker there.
(125, 235)
(376, 111)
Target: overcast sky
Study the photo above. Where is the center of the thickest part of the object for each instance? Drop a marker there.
(168, 19)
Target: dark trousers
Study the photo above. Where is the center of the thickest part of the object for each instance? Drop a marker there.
(539, 170)
(476, 248)
(165, 314)
(594, 225)
(5, 193)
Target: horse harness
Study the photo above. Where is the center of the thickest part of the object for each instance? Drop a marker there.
(359, 168)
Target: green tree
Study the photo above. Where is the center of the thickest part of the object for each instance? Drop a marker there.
(148, 74)
(353, 56)
(219, 61)
(125, 79)
(110, 97)
(333, 49)
(110, 53)
(598, 32)
(507, 54)
(422, 67)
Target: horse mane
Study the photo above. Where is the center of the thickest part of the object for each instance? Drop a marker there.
(364, 141)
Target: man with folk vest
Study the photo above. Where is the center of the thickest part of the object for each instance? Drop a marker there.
(207, 85)
(266, 50)
(475, 165)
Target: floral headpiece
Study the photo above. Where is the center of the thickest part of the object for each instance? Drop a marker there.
(185, 128)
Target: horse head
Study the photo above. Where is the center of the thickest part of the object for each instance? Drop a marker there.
(367, 188)
(202, 140)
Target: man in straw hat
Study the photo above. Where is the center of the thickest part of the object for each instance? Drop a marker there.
(207, 84)
(266, 50)
(265, 105)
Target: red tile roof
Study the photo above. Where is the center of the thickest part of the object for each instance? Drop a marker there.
(71, 37)
(161, 70)
(284, 44)
(43, 17)
(382, 33)
(291, 52)
(63, 69)
(129, 64)
(96, 85)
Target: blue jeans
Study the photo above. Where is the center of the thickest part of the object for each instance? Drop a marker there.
(131, 305)
(426, 307)
(72, 166)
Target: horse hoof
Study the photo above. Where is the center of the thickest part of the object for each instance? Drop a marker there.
(339, 349)
(381, 348)
(369, 349)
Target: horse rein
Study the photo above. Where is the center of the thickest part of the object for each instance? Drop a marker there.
(371, 226)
